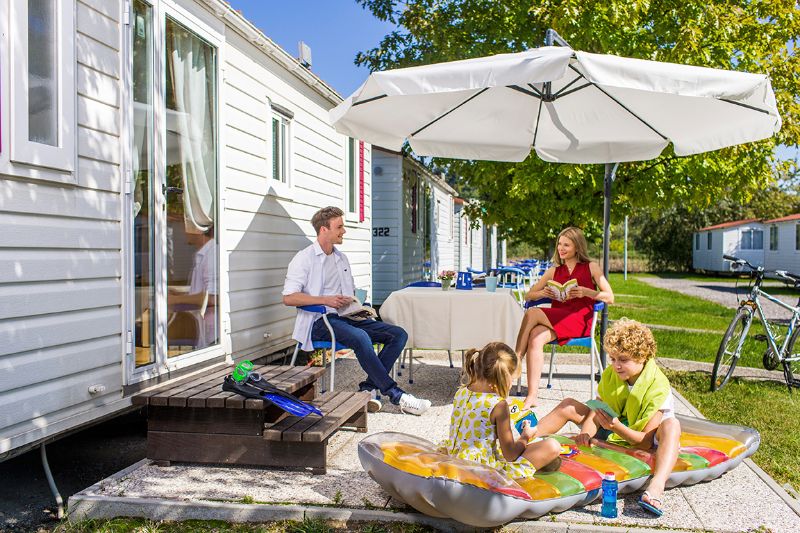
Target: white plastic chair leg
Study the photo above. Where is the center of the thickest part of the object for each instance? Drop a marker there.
(410, 366)
(333, 352)
(294, 355)
(552, 364)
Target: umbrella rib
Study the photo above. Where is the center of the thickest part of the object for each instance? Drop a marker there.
(368, 100)
(623, 106)
(538, 116)
(565, 87)
(559, 94)
(535, 93)
(437, 119)
(744, 105)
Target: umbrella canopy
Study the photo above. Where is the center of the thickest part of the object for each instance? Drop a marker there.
(568, 106)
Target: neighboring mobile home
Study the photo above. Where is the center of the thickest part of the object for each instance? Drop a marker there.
(740, 238)
(413, 229)
(783, 250)
(159, 164)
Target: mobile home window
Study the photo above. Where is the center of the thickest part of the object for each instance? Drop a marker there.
(708, 240)
(752, 239)
(351, 188)
(696, 241)
(43, 87)
(797, 237)
(280, 145)
(773, 237)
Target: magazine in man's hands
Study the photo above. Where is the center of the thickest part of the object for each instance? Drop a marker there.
(562, 291)
(355, 311)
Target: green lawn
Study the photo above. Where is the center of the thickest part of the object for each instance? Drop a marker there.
(765, 406)
(637, 300)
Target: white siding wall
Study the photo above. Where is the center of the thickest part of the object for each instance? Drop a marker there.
(477, 253)
(387, 208)
(60, 261)
(267, 224)
(443, 217)
(786, 257)
(458, 237)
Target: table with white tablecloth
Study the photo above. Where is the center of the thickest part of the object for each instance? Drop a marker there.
(455, 319)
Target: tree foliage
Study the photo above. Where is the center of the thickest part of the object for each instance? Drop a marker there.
(532, 200)
(665, 235)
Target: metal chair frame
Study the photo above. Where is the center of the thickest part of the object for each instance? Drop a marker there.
(588, 342)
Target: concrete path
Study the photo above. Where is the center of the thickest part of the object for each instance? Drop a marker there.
(721, 292)
(742, 500)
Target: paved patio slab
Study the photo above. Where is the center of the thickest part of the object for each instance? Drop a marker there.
(742, 500)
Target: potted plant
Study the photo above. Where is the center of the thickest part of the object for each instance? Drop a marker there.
(447, 276)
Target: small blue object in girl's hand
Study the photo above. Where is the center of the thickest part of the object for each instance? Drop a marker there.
(518, 415)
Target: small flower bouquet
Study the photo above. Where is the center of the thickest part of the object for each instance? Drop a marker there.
(447, 275)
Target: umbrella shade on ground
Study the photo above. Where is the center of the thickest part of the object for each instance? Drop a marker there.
(568, 106)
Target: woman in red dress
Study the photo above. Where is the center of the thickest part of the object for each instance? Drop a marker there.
(564, 320)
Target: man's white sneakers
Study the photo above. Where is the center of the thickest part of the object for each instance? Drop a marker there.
(411, 404)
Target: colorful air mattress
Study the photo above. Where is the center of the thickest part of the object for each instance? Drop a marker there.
(410, 469)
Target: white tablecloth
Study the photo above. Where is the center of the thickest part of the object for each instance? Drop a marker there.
(453, 320)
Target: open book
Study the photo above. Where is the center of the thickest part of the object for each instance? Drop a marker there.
(562, 291)
(355, 311)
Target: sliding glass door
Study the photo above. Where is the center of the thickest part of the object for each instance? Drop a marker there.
(174, 201)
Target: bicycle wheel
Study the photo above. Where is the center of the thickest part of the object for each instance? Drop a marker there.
(794, 366)
(730, 348)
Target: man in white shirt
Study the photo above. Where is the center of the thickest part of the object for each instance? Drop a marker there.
(320, 275)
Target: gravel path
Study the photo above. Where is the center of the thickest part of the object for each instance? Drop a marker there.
(721, 292)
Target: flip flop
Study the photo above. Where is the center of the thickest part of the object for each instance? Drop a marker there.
(649, 507)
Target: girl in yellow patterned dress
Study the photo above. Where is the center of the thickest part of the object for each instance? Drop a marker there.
(480, 426)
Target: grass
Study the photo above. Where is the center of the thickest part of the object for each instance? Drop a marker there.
(138, 525)
(763, 405)
(640, 301)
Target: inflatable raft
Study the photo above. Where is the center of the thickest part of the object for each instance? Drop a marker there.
(410, 469)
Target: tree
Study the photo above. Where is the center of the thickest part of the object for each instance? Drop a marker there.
(531, 201)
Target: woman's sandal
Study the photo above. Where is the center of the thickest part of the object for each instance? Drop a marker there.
(648, 505)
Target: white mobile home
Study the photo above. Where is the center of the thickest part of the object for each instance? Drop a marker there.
(159, 164)
(413, 228)
(740, 238)
(783, 251)
(469, 249)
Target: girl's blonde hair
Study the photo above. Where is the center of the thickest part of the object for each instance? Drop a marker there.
(581, 248)
(631, 339)
(496, 363)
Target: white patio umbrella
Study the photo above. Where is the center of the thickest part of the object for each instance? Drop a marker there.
(565, 105)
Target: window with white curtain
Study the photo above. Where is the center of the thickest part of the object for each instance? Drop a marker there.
(752, 239)
(773, 237)
(42, 45)
(280, 146)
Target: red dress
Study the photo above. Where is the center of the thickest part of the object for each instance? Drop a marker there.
(572, 318)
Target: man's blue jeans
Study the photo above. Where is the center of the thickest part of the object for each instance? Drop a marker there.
(360, 335)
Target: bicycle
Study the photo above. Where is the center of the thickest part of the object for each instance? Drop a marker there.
(730, 349)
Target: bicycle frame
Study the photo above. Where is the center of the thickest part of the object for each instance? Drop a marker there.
(753, 301)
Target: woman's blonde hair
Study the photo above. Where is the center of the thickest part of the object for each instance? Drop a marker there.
(630, 339)
(581, 248)
(496, 363)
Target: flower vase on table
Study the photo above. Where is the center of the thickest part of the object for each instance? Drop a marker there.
(446, 277)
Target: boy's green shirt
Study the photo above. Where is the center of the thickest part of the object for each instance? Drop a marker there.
(640, 403)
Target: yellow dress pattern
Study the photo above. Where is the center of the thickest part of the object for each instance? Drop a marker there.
(472, 434)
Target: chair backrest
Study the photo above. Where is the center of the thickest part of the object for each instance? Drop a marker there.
(424, 284)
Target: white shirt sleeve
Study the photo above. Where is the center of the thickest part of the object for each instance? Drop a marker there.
(297, 274)
(668, 407)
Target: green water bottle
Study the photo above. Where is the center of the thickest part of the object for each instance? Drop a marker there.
(242, 370)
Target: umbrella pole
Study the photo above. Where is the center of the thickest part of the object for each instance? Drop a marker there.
(611, 170)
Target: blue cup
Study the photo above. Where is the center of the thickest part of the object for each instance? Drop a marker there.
(491, 283)
(464, 281)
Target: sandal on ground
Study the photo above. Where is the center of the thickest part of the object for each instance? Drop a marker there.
(648, 505)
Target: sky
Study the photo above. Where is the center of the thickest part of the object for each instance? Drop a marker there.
(336, 30)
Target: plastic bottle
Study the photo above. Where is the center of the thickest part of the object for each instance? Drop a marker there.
(609, 487)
